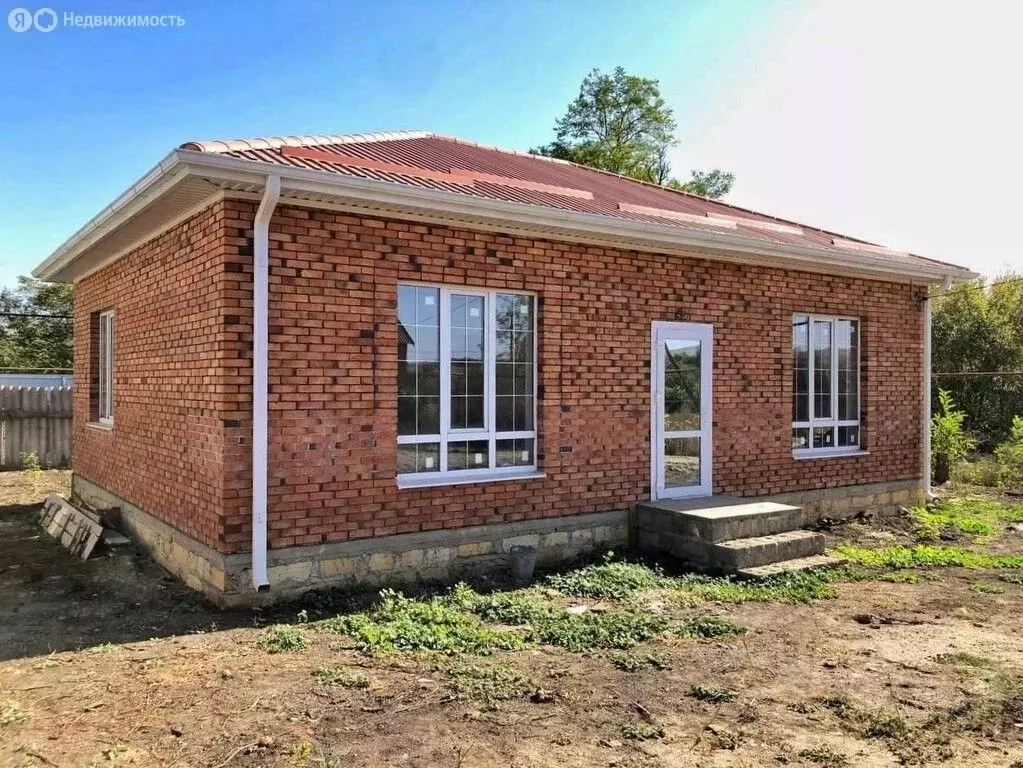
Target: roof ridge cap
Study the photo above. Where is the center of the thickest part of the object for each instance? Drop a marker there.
(276, 142)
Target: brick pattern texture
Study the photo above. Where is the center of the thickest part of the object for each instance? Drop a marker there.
(180, 448)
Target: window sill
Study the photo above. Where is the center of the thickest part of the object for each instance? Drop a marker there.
(100, 425)
(833, 453)
(409, 482)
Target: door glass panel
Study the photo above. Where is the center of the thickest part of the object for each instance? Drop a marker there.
(681, 462)
(681, 385)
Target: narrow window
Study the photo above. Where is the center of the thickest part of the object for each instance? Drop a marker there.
(105, 380)
(825, 384)
(466, 383)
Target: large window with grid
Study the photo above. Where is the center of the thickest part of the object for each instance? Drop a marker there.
(825, 385)
(466, 384)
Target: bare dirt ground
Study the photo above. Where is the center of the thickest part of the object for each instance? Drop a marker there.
(110, 663)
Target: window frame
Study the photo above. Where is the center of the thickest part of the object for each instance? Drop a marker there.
(105, 365)
(834, 421)
(489, 432)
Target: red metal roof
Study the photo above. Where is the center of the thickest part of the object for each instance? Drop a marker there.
(444, 163)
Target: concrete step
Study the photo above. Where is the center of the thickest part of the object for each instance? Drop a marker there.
(791, 566)
(756, 551)
(718, 519)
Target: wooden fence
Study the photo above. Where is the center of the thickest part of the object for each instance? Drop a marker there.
(35, 420)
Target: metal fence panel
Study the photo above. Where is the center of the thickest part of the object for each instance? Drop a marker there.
(35, 420)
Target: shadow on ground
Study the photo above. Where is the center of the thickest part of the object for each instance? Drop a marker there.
(52, 601)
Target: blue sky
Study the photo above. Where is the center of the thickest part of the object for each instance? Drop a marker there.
(84, 112)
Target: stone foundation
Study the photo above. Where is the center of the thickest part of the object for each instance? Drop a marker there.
(436, 556)
(846, 501)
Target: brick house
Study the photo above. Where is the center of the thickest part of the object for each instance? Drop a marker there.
(321, 360)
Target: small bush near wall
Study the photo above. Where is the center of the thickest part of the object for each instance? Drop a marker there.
(1009, 456)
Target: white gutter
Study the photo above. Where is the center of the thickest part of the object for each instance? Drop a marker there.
(260, 365)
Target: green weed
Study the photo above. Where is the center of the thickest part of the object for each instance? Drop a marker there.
(441, 624)
(11, 713)
(825, 756)
(489, 685)
(713, 693)
(340, 676)
(924, 555)
(642, 731)
(609, 580)
(632, 661)
(284, 638)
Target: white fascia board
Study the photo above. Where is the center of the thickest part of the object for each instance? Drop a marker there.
(633, 234)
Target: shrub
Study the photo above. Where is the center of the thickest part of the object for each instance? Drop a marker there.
(30, 462)
(948, 438)
(1009, 456)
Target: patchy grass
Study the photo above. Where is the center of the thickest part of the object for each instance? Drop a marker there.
(284, 638)
(713, 693)
(970, 515)
(341, 676)
(926, 556)
(489, 685)
(632, 661)
(12, 713)
(545, 622)
(825, 756)
(966, 659)
(802, 587)
(440, 624)
(987, 588)
(995, 712)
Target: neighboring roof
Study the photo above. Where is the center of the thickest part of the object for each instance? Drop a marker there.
(504, 181)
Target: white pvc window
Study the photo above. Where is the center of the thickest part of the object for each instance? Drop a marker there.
(466, 383)
(825, 385)
(105, 385)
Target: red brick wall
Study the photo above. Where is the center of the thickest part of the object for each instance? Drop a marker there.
(333, 370)
(172, 389)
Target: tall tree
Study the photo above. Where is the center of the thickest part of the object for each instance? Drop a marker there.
(977, 337)
(621, 123)
(35, 325)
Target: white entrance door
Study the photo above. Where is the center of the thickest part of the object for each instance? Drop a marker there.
(681, 410)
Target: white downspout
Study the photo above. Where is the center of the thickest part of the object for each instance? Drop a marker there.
(926, 412)
(260, 365)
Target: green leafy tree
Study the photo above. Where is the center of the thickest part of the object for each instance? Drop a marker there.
(978, 353)
(621, 123)
(35, 325)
